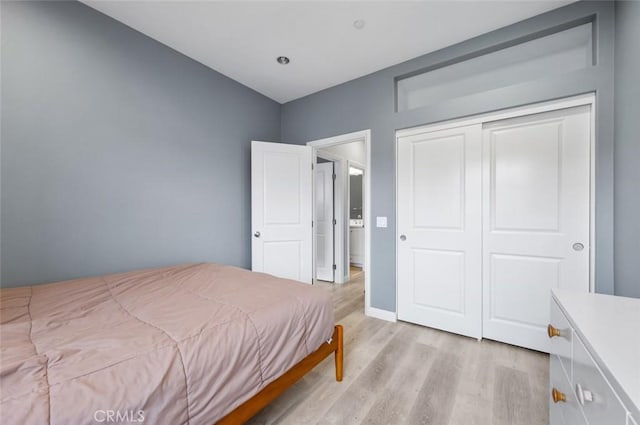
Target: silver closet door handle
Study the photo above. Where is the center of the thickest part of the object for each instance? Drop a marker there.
(578, 246)
(256, 234)
(403, 238)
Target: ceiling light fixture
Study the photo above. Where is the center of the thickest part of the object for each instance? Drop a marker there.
(283, 60)
(359, 24)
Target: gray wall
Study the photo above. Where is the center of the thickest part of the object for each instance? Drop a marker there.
(627, 149)
(118, 152)
(156, 171)
(368, 103)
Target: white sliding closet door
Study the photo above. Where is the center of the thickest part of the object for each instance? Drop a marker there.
(439, 229)
(536, 208)
(492, 215)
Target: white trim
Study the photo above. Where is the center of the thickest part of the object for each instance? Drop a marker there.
(378, 313)
(340, 228)
(365, 136)
(592, 197)
(356, 164)
(314, 161)
(396, 232)
(536, 108)
(588, 99)
(329, 156)
(356, 136)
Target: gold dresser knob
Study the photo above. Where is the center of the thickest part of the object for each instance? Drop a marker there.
(558, 396)
(551, 331)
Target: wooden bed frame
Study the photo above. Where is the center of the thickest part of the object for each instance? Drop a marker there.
(249, 408)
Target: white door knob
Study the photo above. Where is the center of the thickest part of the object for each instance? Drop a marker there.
(584, 396)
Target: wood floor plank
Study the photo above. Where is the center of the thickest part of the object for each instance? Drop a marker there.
(474, 397)
(394, 403)
(537, 370)
(536, 365)
(434, 402)
(511, 397)
(348, 308)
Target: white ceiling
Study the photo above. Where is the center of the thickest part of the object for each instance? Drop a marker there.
(242, 39)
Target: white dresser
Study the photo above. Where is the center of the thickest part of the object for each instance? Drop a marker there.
(595, 359)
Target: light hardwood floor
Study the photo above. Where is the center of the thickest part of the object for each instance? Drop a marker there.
(399, 373)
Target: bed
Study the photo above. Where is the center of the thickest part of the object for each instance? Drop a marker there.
(197, 344)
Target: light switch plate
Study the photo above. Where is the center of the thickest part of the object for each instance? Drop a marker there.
(381, 221)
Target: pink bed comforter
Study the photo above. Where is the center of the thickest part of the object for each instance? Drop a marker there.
(177, 345)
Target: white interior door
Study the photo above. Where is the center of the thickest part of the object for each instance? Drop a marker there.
(439, 229)
(535, 218)
(281, 210)
(324, 221)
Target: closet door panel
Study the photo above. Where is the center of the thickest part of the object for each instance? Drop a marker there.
(525, 173)
(535, 220)
(439, 229)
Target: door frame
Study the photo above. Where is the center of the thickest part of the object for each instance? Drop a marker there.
(536, 108)
(356, 136)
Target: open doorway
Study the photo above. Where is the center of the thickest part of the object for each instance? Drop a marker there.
(356, 218)
(341, 210)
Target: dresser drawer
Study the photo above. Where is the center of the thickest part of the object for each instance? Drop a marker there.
(561, 333)
(564, 410)
(598, 401)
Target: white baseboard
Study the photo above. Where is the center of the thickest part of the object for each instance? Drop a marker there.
(389, 316)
